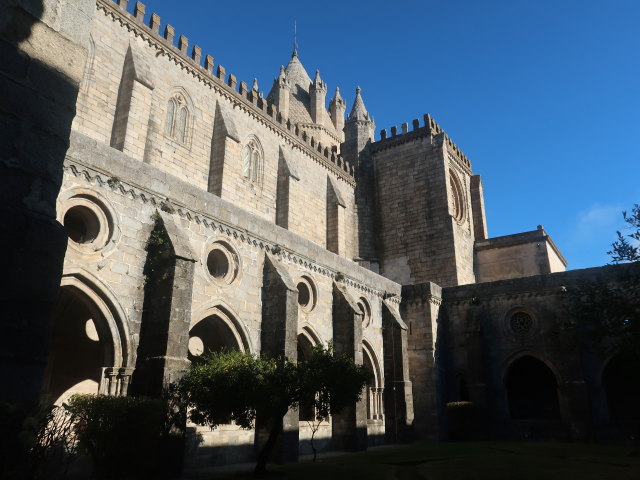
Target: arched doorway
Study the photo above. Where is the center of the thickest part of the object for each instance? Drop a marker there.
(532, 390)
(81, 345)
(621, 382)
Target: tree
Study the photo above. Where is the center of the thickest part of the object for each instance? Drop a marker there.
(605, 313)
(622, 250)
(328, 384)
(242, 387)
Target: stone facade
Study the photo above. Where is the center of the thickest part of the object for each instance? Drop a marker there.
(202, 215)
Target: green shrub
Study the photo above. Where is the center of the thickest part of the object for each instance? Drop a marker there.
(461, 420)
(120, 434)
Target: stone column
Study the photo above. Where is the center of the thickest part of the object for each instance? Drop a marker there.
(43, 56)
(279, 338)
(420, 306)
(164, 333)
(350, 425)
(398, 395)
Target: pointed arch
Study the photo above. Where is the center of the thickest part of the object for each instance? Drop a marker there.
(307, 339)
(375, 406)
(108, 305)
(532, 388)
(89, 338)
(223, 320)
(87, 76)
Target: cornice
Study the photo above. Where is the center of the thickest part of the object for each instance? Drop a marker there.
(103, 180)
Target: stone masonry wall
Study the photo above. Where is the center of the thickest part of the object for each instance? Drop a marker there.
(482, 344)
(190, 160)
(130, 192)
(419, 238)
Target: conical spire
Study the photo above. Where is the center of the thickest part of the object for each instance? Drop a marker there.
(358, 111)
(296, 73)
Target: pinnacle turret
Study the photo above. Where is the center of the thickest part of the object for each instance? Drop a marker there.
(359, 111)
(318, 83)
(337, 108)
(318, 92)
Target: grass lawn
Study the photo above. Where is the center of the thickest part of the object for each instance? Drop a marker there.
(469, 461)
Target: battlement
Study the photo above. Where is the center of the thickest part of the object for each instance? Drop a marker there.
(221, 81)
(429, 128)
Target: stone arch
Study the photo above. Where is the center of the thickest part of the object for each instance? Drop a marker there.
(217, 328)
(87, 75)
(375, 390)
(621, 385)
(532, 387)
(108, 304)
(306, 341)
(88, 337)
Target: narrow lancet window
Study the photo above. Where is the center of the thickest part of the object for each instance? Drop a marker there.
(252, 161)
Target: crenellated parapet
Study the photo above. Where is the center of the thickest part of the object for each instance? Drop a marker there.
(252, 101)
(429, 128)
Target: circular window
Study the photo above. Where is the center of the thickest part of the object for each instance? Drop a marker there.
(365, 308)
(217, 263)
(306, 294)
(82, 224)
(222, 263)
(457, 202)
(521, 323)
(88, 223)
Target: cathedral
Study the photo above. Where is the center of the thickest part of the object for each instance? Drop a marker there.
(290, 224)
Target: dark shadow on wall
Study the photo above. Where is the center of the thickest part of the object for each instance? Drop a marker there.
(37, 106)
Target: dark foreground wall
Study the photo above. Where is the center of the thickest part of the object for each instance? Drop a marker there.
(508, 351)
(43, 47)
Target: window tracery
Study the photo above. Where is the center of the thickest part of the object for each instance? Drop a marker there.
(177, 118)
(252, 161)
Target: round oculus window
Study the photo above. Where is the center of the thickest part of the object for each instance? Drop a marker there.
(306, 294)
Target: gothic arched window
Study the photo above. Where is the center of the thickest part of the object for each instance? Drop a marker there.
(177, 118)
(457, 198)
(252, 161)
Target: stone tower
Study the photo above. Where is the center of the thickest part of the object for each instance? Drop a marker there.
(427, 210)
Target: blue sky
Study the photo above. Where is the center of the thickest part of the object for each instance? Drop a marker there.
(543, 97)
